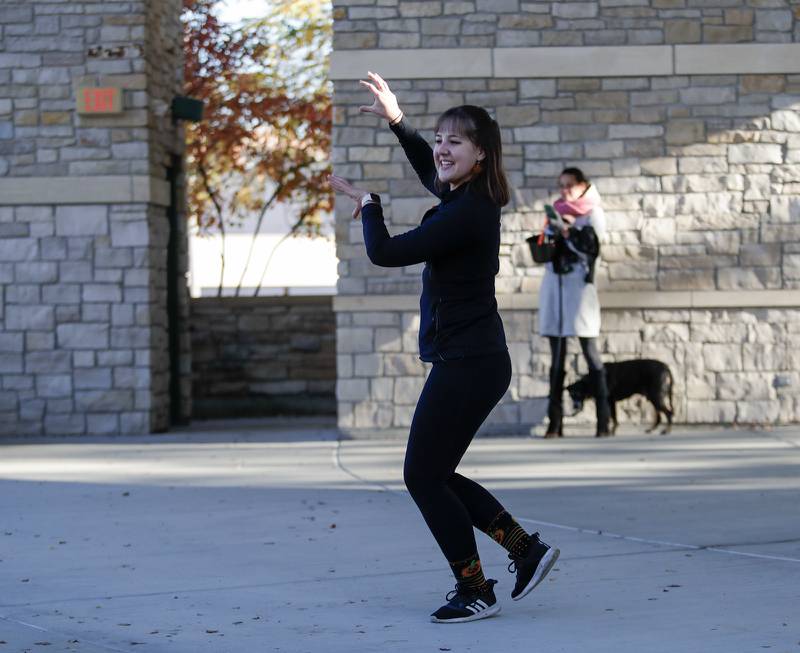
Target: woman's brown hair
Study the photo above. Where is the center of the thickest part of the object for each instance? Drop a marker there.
(482, 130)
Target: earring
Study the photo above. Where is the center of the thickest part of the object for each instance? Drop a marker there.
(477, 167)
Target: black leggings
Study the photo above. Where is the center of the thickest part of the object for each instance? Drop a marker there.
(458, 396)
(558, 356)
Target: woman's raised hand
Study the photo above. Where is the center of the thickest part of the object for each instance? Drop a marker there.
(341, 185)
(385, 103)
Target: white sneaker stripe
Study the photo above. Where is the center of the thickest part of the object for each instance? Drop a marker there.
(481, 604)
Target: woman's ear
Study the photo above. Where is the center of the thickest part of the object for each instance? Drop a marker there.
(480, 156)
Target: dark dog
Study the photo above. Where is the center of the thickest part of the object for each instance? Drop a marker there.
(650, 378)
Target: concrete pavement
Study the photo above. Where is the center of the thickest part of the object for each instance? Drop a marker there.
(283, 538)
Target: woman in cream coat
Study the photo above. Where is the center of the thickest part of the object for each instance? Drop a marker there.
(568, 303)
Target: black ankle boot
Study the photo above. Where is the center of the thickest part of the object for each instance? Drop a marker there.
(555, 428)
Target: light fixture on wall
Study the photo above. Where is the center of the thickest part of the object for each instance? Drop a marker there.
(187, 108)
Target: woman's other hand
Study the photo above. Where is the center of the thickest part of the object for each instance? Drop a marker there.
(570, 221)
(385, 103)
(341, 185)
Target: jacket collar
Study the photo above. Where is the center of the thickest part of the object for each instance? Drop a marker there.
(450, 195)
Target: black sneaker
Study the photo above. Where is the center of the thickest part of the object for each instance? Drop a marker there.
(533, 567)
(467, 605)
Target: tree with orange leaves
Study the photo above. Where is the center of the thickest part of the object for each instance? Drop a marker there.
(266, 128)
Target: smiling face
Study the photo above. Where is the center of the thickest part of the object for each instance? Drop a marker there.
(454, 156)
(571, 189)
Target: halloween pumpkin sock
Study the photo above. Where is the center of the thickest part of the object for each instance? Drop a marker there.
(509, 534)
(469, 573)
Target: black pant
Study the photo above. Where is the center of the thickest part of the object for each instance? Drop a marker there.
(558, 355)
(458, 396)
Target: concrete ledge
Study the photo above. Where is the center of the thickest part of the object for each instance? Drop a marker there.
(15, 191)
(581, 61)
(738, 58)
(412, 63)
(608, 300)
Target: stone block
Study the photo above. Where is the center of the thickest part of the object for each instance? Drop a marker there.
(48, 362)
(701, 386)
(10, 363)
(497, 6)
(727, 33)
(723, 333)
(684, 132)
(18, 249)
(129, 234)
(536, 134)
(64, 424)
(710, 412)
(682, 31)
(103, 424)
(745, 386)
(575, 9)
(458, 7)
(658, 231)
(11, 342)
(788, 121)
(53, 386)
(755, 153)
(665, 333)
(382, 389)
(81, 220)
(757, 412)
(524, 22)
(352, 389)
(24, 318)
(659, 166)
(778, 20)
(784, 208)
(537, 88)
(83, 336)
(134, 423)
(99, 401)
(686, 280)
(520, 115)
(407, 389)
(369, 365)
(388, 340)
(92, 379)
(424, 9)
(722, 357)
(748, 278)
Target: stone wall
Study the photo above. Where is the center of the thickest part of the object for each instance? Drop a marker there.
(694, 148)
(510, 23)
(728, 366)
(84, 217)
(263, 356)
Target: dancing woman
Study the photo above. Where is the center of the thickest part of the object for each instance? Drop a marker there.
(461, 334)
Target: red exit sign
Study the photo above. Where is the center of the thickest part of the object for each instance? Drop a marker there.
(93, 100)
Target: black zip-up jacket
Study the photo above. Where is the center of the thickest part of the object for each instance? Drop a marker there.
(459, 241)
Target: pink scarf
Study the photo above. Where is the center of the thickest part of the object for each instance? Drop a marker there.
(581, 206)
